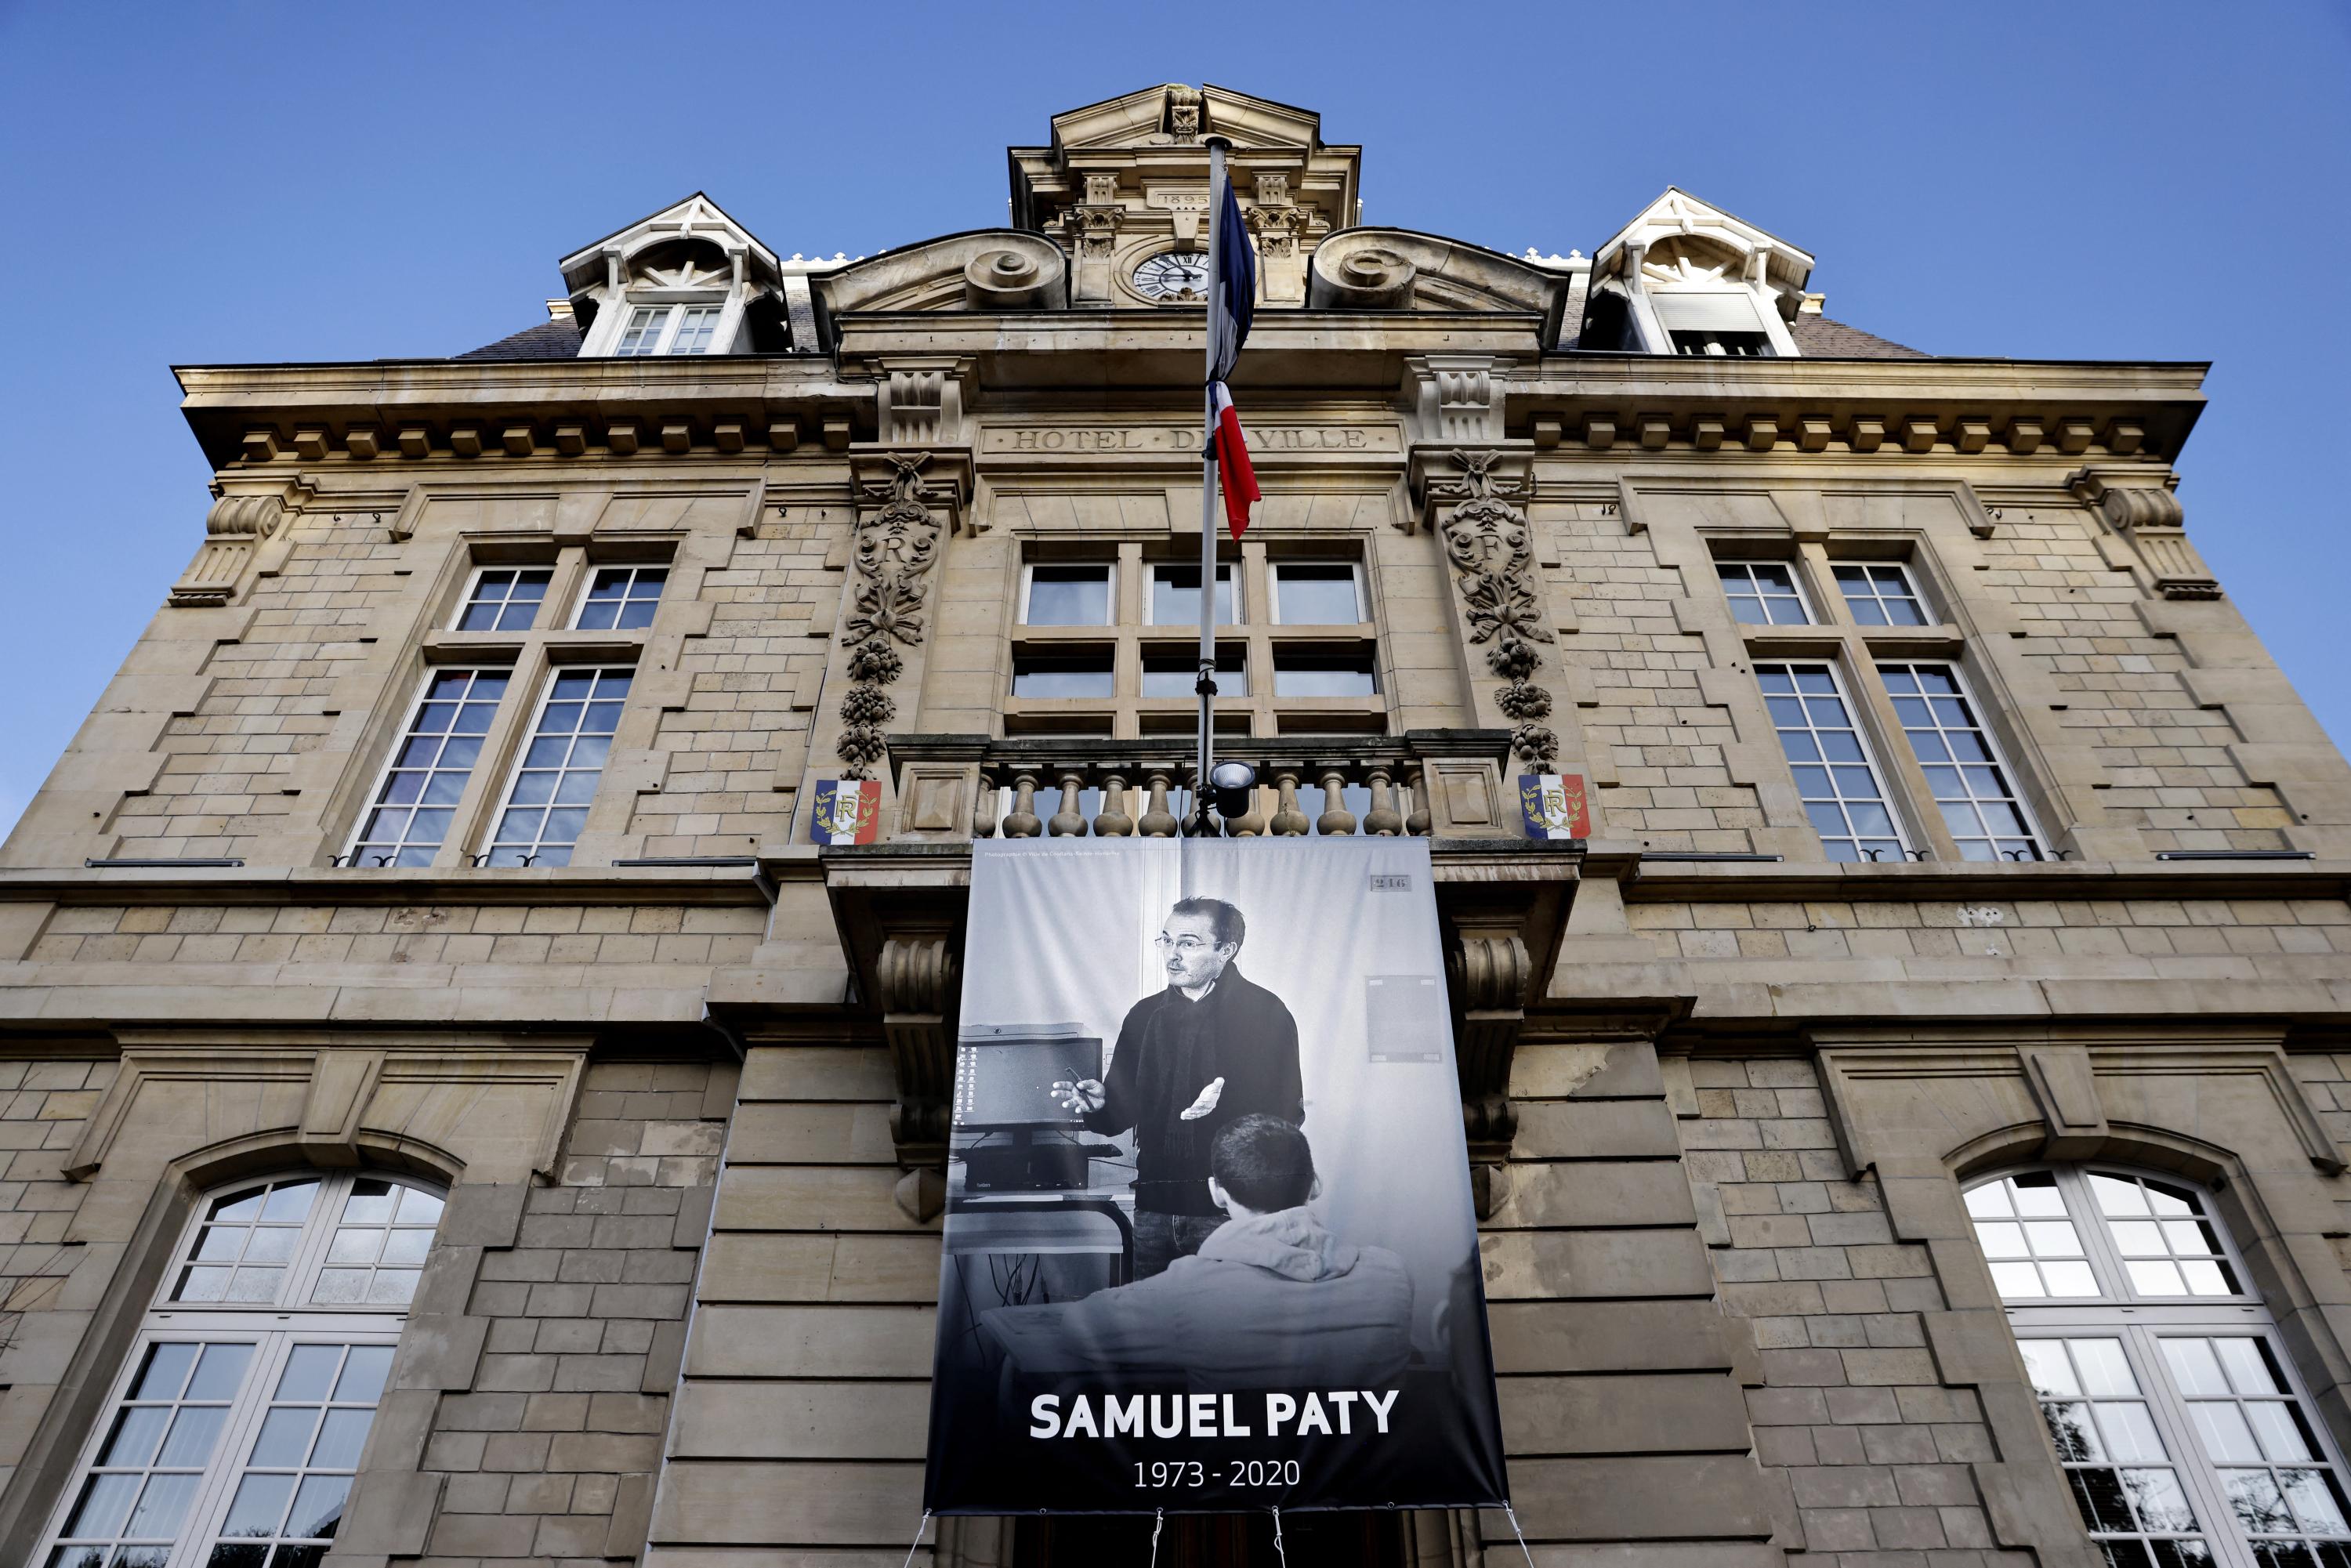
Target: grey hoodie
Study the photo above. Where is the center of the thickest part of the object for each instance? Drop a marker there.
(1272, 1303)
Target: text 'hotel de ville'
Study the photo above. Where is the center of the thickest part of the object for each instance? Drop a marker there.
(483, 989)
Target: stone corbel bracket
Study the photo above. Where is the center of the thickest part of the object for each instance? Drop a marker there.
(246, 514)
(920, 402)
(899, 909)
(1454, 399)
(1503, 910)
(2151, 518)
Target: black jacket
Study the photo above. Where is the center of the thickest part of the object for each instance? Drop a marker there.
(1171, 1048)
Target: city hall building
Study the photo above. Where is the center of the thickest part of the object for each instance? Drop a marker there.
(456, 1112)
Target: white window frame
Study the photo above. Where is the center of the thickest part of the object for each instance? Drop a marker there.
(473, 587)
(2141, 1322)
(1910, 587)
(1110, 590)
(1273, 569)
(369, 801)
(673, 319)
(490, 839)
(1749, 564)
(273, 1328)
(1885, 795)
(1229, 570)
(2032, 833)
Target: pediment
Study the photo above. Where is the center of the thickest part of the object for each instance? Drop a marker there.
(1685, 238)
(984, 269)
(696, 218)
(1140, 119)
(1400, 270)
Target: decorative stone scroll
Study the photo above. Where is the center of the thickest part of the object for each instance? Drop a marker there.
(1488, 540)
(895, 549)
(2151, 518)
(234, 530)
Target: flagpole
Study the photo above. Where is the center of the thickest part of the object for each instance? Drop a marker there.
(1207, 683)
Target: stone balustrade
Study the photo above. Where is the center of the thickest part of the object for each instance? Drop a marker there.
(1048, 787)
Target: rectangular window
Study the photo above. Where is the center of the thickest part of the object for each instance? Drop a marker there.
(1061, 675)
(1317, 593)
(297, 1473)
(1834, 775)
(695, 324)
(1972, 789)
(547, 805)
(1173, 675)
(504, 598)
(1325, 675)
(2123, 1479)
(1074, 595)
(643, 333)
(620, 598)
(1763, 593)
(1176, 596)
(2277, 1482)
(409, 817)
(1713, 321)
(154, 1455)
(1880, 595)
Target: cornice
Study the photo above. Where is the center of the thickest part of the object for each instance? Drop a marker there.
(1671, 880)
(728, 404)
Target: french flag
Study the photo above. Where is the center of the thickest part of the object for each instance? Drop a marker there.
(1233, 460)
(1228, 325)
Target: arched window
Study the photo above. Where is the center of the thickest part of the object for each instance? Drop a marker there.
(2185, 1436)
(233, 1433)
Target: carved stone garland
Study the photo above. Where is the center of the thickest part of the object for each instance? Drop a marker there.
(1488, 541)
(895, 547)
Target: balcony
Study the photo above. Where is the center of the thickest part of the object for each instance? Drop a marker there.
(1422, 784)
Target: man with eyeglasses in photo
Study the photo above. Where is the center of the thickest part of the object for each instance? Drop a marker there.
(1210, 1049)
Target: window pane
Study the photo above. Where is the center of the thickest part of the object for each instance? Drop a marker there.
(1072, 595)
(293, 1491)
(1169, 676)
(1979, 803)
(1176, 595)
(1324, 676)
(643, 334)
(157, 1445)
(431, 763)
(505, 599)
(2125, 1483)
(620, 598)
(694, 329)
(1073, 676)
(1316, 594)
(362, 1255)
(564, 760)
(1845, 802)
(1880, 596)
(1762, 592)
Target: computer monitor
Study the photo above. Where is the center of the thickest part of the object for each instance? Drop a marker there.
(1005, 1073)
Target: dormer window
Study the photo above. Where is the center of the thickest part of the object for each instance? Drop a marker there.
(1688, 278)
(686, 280)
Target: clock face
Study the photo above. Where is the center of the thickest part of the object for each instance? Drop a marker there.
(1174, 275)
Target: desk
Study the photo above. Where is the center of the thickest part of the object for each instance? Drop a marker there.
(1043, 1224)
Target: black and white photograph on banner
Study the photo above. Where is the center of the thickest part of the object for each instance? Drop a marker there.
(1209, 1242)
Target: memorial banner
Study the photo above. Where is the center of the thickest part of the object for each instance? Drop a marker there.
(1210, 1244)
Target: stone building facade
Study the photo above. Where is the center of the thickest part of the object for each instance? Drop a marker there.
(445, 1085)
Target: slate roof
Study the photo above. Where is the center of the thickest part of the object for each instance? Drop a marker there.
(547, 340)
(1817, 336)
(1820, 337)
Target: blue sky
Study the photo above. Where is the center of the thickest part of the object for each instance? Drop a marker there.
(233, 182)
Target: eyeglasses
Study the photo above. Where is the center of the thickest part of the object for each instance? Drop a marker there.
(1188, 946)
